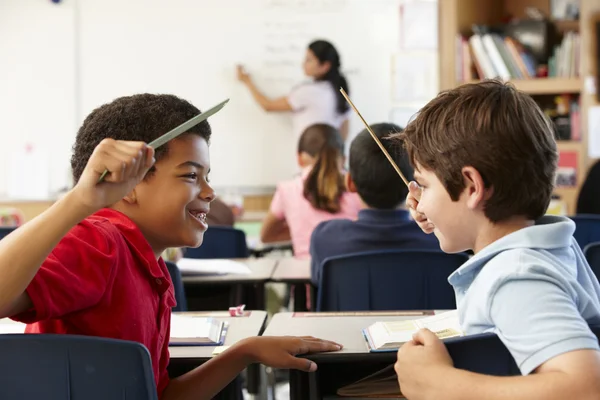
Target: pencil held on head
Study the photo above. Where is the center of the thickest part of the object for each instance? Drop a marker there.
(374, 136)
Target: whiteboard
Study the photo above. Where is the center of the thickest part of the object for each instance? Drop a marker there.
(37, 96)
(190, 48)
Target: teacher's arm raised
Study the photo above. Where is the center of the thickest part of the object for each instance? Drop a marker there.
(279, 104)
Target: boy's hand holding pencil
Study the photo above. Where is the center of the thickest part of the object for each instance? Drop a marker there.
(128, 162)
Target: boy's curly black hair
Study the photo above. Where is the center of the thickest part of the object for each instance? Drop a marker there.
(141, 117)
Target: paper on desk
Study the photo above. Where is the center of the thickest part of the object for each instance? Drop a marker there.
(594, 132)
(11, 327)
(194, 266)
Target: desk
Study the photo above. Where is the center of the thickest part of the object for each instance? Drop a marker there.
(239, 328)
(246, 289)
(339, 368)
(297, 273)
(186, 358)
(292, 270)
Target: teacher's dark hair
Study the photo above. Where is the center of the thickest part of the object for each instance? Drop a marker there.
(324, 185)
(326, 52)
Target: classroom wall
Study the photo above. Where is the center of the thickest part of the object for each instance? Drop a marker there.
(37, 88)
(60, 61)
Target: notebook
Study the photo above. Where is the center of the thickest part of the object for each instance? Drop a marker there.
(195, 266)
(187, 330)
(390, 335)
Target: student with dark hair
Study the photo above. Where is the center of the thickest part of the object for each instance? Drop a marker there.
(316, 101)
(91, 264)
(317, 195)
(485, 161)
(588, 201)
(383, 223)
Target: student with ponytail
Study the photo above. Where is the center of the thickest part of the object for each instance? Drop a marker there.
(318, 194)
(318, 101)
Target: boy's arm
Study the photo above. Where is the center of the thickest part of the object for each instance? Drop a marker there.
(274, 229)
(23, 251)
(539, 323)
(425, 371)
(210, 378)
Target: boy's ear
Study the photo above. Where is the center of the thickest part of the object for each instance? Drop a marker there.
(350, 186)
(475, 189)
(131, 198)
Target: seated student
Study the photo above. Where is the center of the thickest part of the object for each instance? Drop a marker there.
(91, 265)
(485, 159)
(220, 214)
(383, 223)
(317, 195)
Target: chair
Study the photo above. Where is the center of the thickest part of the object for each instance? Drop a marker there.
(177, 286)
(486, 354)
(5, 231)
(587, 229)
(58, 367)
(388, 280)
(220, 242)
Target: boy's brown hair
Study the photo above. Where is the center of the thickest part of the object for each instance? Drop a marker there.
(495, 129)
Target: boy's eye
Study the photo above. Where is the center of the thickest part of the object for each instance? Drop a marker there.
(192, 175)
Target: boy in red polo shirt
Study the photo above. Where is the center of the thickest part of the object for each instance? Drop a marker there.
(91, 263)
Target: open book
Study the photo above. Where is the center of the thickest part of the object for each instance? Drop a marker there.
(195, 266)
(187, 330)
(390, 335)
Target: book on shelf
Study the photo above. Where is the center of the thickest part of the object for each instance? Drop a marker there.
(189, 330)
(391, 335)
(491, 53)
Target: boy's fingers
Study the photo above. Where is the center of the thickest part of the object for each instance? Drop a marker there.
(301, 364)
(425, 337)
(414, 190)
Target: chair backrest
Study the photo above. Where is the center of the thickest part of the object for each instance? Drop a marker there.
(177, 286)
(220, 242)
(587, 229)
(486, 354)
(388, 280)
(53, 367)
(4, 230)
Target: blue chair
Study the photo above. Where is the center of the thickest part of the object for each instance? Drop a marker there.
(587, 229)
(592, 255)
(177, 286)
(5, 231)
(486, 354)
(58, 367)
(388, 280)
(220, 242)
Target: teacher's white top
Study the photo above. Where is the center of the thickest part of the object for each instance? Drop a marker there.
(314, 102)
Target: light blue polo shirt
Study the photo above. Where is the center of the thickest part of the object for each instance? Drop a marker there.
(534, 289)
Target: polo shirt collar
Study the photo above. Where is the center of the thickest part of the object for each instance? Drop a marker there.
(137, 241)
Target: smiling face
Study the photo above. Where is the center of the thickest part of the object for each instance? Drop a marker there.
(455, 224)
(170, 206)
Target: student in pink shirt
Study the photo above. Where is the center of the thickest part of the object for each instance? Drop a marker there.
(318, 194)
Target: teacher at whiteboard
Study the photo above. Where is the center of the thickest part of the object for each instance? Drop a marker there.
(316, 101)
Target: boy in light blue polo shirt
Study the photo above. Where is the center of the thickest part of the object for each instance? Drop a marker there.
(485, 159)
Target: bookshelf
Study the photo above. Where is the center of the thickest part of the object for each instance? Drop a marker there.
(457, 17)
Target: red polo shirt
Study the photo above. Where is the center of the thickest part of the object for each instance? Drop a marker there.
(103, 279)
